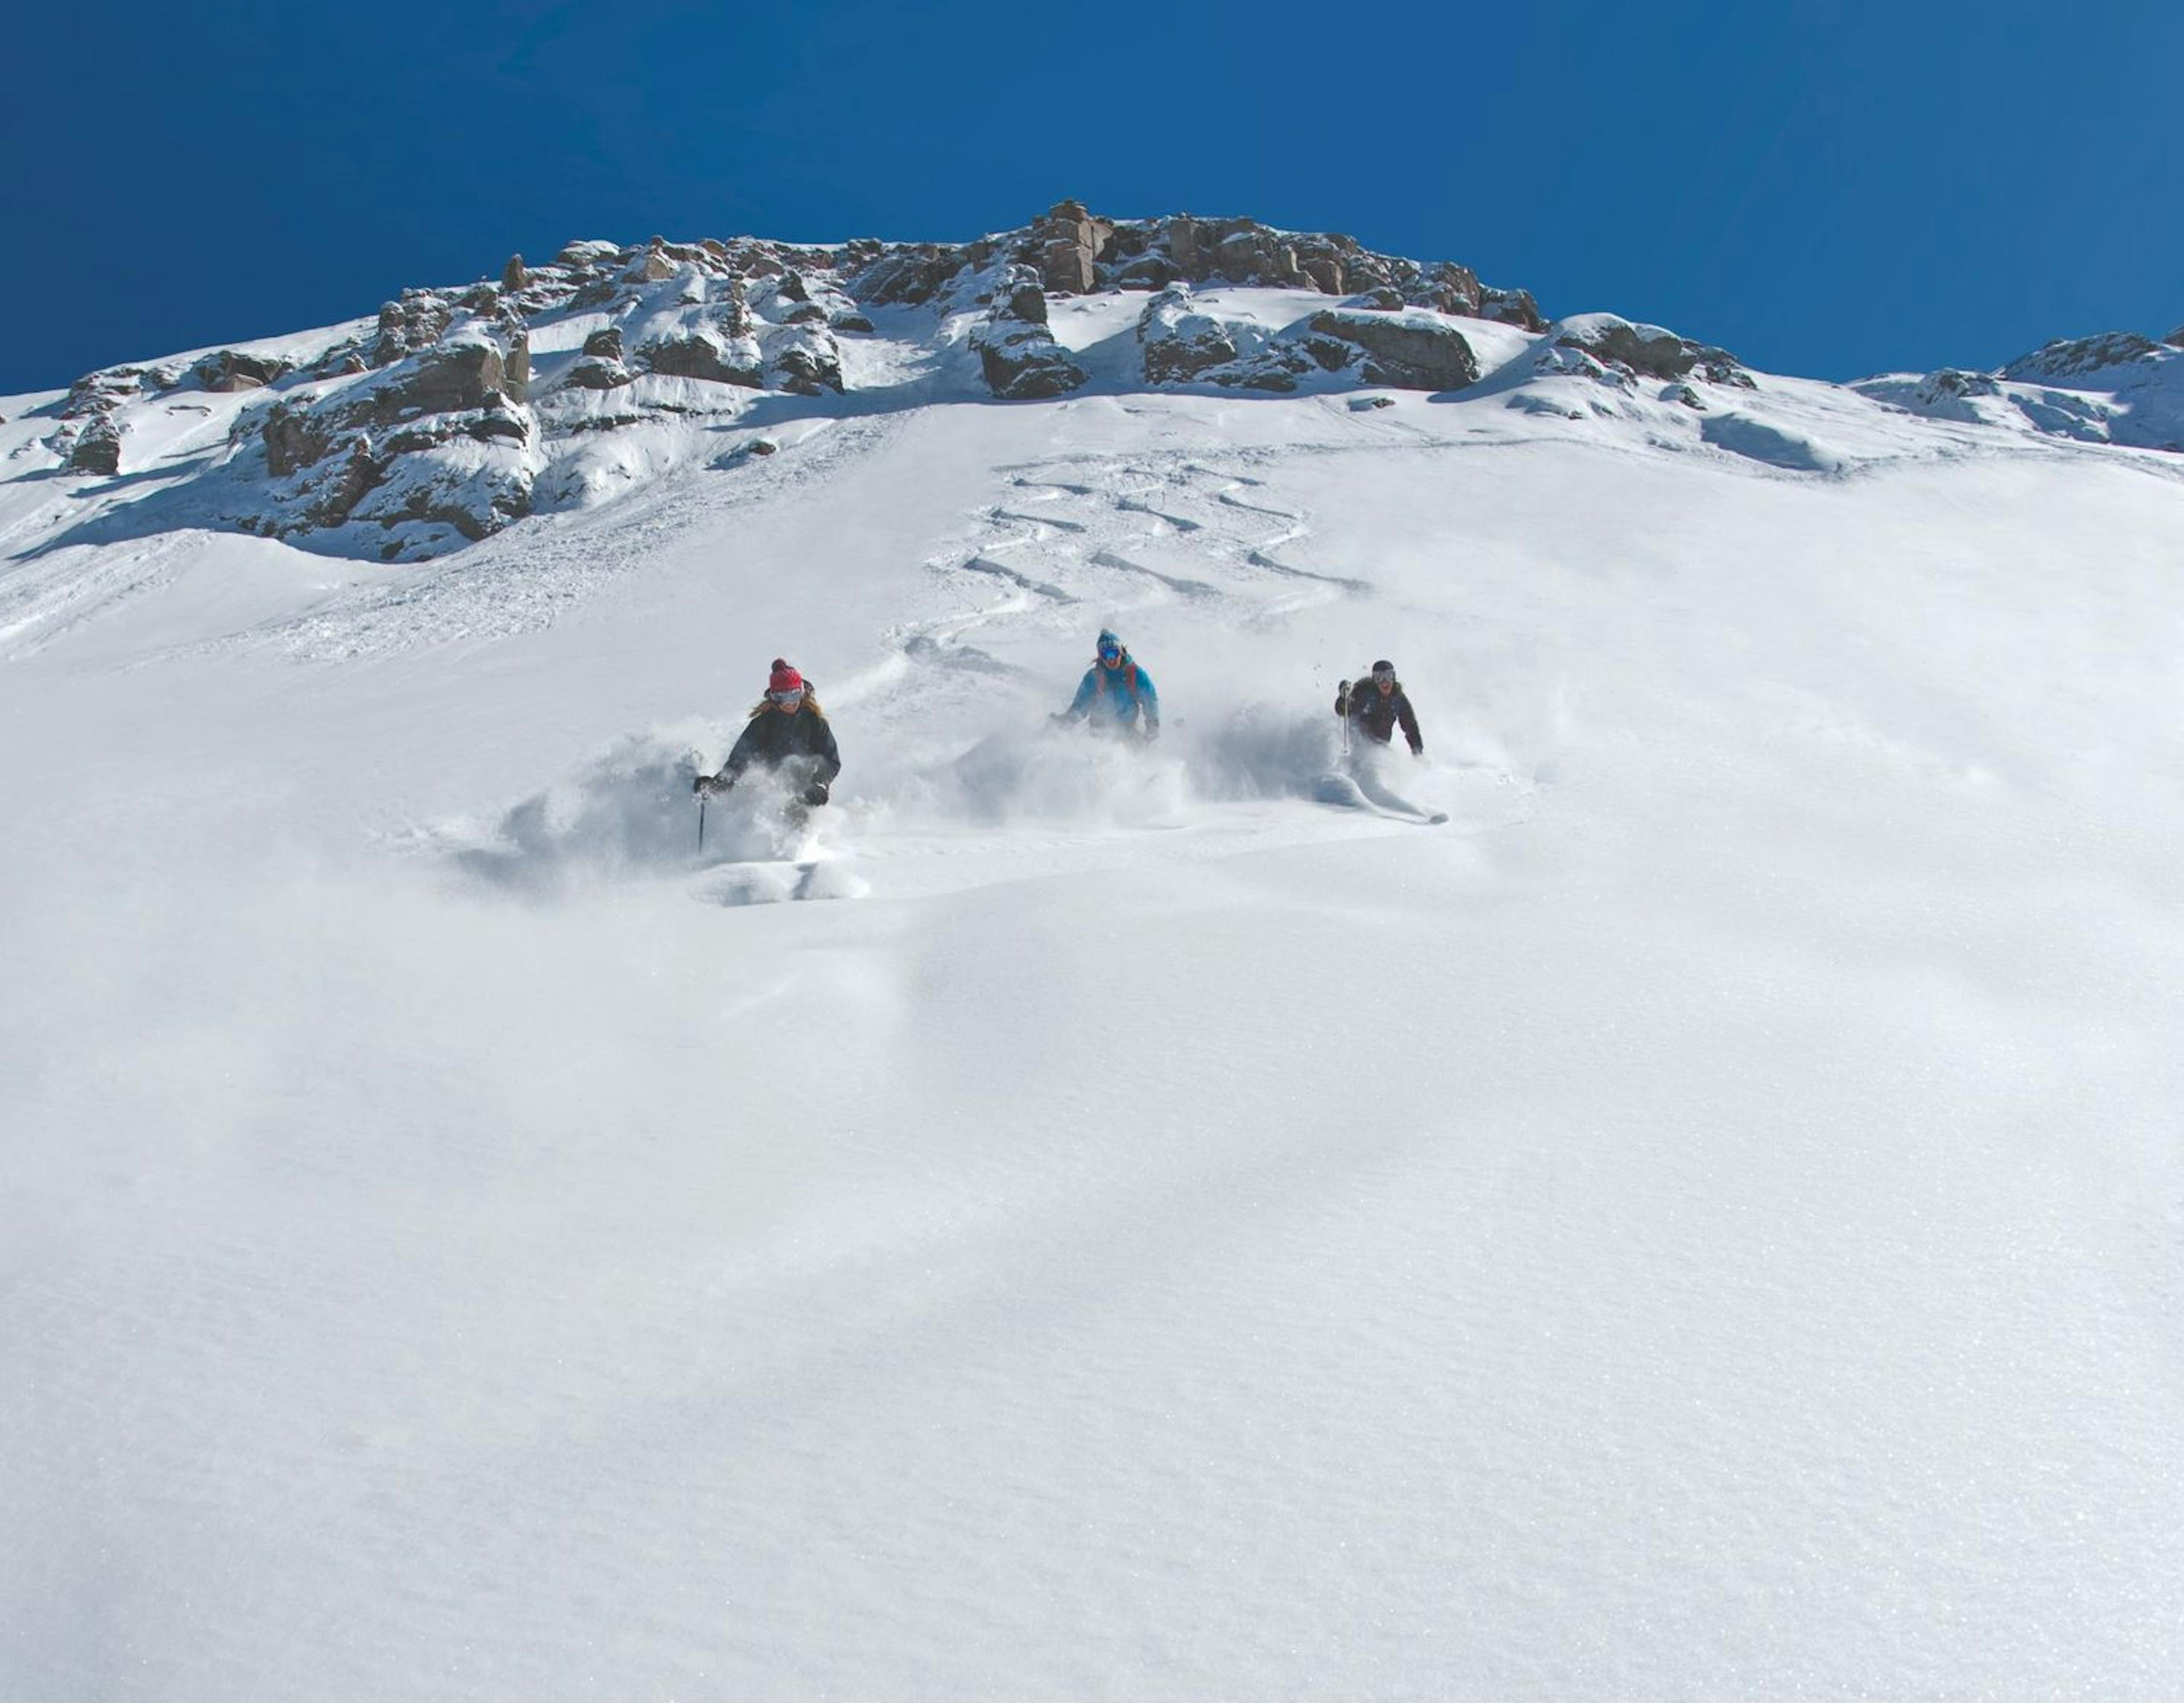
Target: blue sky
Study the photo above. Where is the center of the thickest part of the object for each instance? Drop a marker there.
(1831, 190)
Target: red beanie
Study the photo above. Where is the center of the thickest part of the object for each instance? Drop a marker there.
(785, 678)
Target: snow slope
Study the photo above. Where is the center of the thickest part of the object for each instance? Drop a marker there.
(1706, 1222)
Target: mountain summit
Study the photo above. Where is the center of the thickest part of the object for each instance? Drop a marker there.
(563, 385)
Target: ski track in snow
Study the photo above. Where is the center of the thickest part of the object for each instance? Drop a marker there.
(1703, 1221)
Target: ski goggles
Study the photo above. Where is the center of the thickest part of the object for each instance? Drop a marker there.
(1383, 676)
(1111, 652)
(788, 700)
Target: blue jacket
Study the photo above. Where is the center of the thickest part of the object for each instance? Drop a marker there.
(1116, 697)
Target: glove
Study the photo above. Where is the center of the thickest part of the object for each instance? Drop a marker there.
(1342, 698)
(815, 793)
(706, 785)
(1153, 731)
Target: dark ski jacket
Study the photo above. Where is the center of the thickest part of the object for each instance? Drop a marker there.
(772, 736)
(1376, 717)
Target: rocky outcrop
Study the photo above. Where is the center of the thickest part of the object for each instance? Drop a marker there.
(1510, 307)
(462, 372)
(97, 448)
(911, 275)
(1074, 252)
(429, 414)
(2080, 357)
(601, 365)
(1955, 384)
(1403, 350)
(808, 361)
(1070, 241)
(230, 370)
(99, 393)
(295, 437)
(1179, 343)
(89, 440)
(703, 355)
(417, 321)
(1019, 355)
(1647, 351)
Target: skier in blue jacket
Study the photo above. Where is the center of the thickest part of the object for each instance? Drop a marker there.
(1117, 696)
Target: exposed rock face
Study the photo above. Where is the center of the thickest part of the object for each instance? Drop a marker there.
(294, 437)
(1070, 243)
(1021, 359)
(468, 373)
(2176, 338)
(98, 447)
(232, 370)
(1022, 298)
(1511, 307)
(1956, 384)
(1405, 351)
(912, 275)
(1074, 252)
(1647, 351)
(600, 367)
(808, 362)
(701, 354)
(1179, 342)
(417, 321)
(426, 424)
(2082, 357)
(89, 440)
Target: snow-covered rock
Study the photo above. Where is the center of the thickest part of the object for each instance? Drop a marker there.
(1410, 349)
(1179, 342)
(460, 408)
(2117, 388)
(2111, 358)
(703, 354)
(1645, 351)
(1018, 355)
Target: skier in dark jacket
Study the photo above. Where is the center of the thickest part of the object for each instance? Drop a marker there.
(788, 732)
(1116, 696)
(1376, 706)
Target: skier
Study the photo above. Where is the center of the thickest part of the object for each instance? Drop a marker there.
(1377, 705)
(787, 733)
(1117, 696)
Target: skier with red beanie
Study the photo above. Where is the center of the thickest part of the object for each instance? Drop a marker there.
(787, 735)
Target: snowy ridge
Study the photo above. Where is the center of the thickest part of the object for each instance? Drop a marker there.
(1068, 1218)
(570, 384)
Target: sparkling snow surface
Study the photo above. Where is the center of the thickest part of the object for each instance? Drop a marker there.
(1705, 1223)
